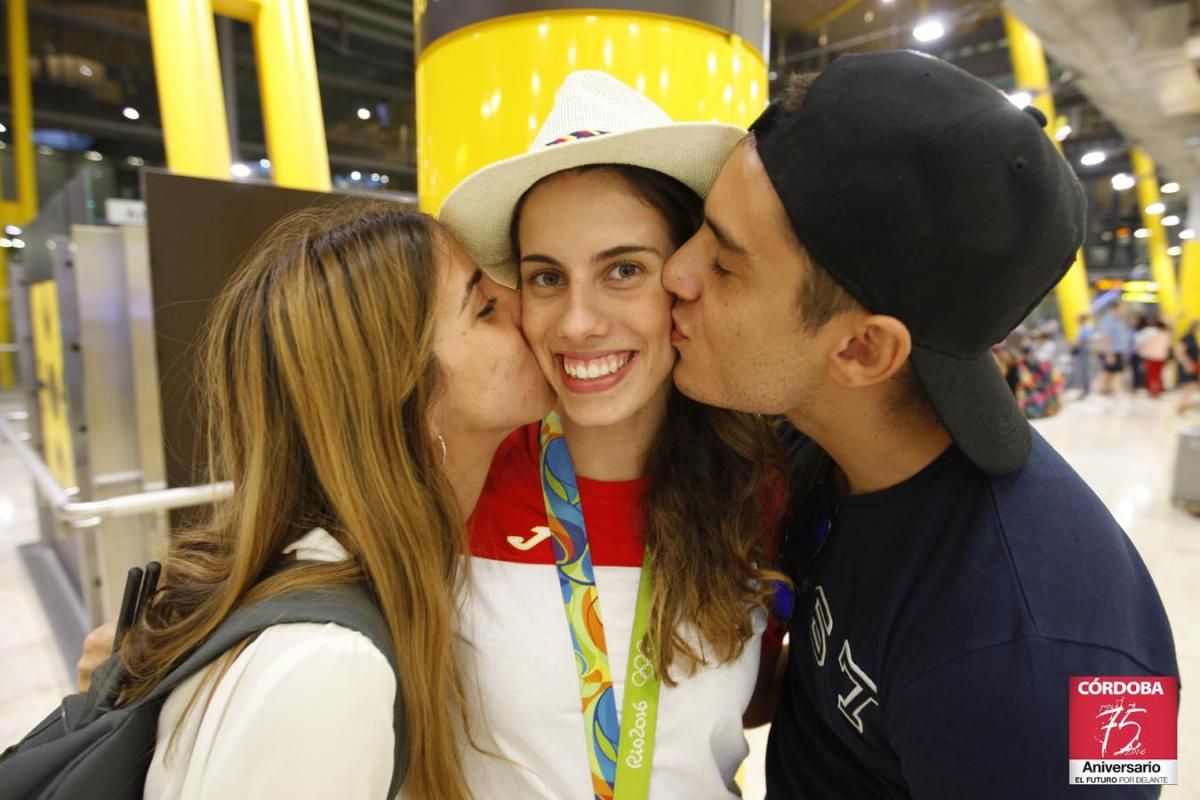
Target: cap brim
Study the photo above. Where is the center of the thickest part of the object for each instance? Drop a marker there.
(479, 210)
(977, 408)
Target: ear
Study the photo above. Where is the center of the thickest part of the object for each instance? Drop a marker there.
(873, 348)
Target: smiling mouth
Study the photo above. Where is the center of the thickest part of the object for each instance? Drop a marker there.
(595, 373)
(591, 369)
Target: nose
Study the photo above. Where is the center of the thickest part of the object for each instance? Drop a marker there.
(581, 318)
(680, 276)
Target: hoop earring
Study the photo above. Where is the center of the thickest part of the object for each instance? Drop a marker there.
(442, 441)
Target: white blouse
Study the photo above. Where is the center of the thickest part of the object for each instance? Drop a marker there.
(305, 711)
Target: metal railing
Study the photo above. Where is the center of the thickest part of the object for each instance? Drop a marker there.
(89, 513)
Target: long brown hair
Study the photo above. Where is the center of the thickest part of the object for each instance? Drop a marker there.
(317, 377)
(714, 478)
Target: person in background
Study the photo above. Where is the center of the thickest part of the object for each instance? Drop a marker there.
(1115, 348)
(1137, 365)
(1153, 346)
(1187, 356)
(1081, 375)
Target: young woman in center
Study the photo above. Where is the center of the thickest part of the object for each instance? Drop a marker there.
(620, 576)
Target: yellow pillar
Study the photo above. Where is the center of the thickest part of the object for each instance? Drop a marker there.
(1189, 268)
(23, 207)
(190, 94)
(1029, 68)
(287, 74)
(487, 76)
(1161, 265)
(188, 74)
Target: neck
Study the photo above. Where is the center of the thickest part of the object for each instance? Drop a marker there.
(617, 452)
(468, 459)
(871, 448)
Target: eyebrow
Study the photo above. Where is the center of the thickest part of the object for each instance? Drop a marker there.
(603, 255)
(723, 238)
(476, 277)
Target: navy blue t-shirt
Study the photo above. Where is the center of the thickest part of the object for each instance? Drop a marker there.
(937, 624)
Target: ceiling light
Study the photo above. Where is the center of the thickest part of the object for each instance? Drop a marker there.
(2, 128)
(1020, 99)
(356, 176)
(1062, 133)
(928, 31)
(1187, 233)
(1156, 208)
(131, 113)
(240, 170)
(18, 243)
(364, 113)
(135, 161)
(1141, 233)
(265, 163)
(1170, 221)
(384, 179)
(1093, 158)
(1170, 188)
(1122, 182)
(92, 155)
(12, 230)
(85, 71)
(1174, 251)
(5, 242)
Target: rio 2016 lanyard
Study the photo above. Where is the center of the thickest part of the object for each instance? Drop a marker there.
(619, 771)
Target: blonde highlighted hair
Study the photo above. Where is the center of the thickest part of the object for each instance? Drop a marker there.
(317, 375)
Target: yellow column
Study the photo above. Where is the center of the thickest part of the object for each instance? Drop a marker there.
(484, 90)
(1189, 268)
(189, 87)
(1161, 265)
(1029, 68)
(287, 74)
(191, 99)
(23, 208)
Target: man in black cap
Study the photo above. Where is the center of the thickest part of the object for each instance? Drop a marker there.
(878, 230)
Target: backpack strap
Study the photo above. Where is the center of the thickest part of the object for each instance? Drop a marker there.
(348, 606)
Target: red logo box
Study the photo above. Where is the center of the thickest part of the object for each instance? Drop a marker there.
(1124, 730)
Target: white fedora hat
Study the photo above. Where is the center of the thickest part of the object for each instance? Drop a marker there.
(596, 119)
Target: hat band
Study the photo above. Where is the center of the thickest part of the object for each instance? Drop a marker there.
(576, 136)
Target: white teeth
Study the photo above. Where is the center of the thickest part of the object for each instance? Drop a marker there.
(596, 368)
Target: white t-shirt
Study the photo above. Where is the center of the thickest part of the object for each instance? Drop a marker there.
(1153, 344)
(305, 711)
(519, 660)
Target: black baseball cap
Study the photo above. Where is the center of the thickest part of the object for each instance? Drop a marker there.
(928, 196)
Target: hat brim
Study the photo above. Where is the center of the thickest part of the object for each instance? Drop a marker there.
(479, 210)
(976, 407)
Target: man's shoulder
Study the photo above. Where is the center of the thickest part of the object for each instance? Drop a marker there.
(1080, 576)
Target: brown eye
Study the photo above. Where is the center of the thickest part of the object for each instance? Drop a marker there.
(487, 310)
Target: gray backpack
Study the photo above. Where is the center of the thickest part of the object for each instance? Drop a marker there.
(89, 749)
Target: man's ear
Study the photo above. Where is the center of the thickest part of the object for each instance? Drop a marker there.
(872, 348)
